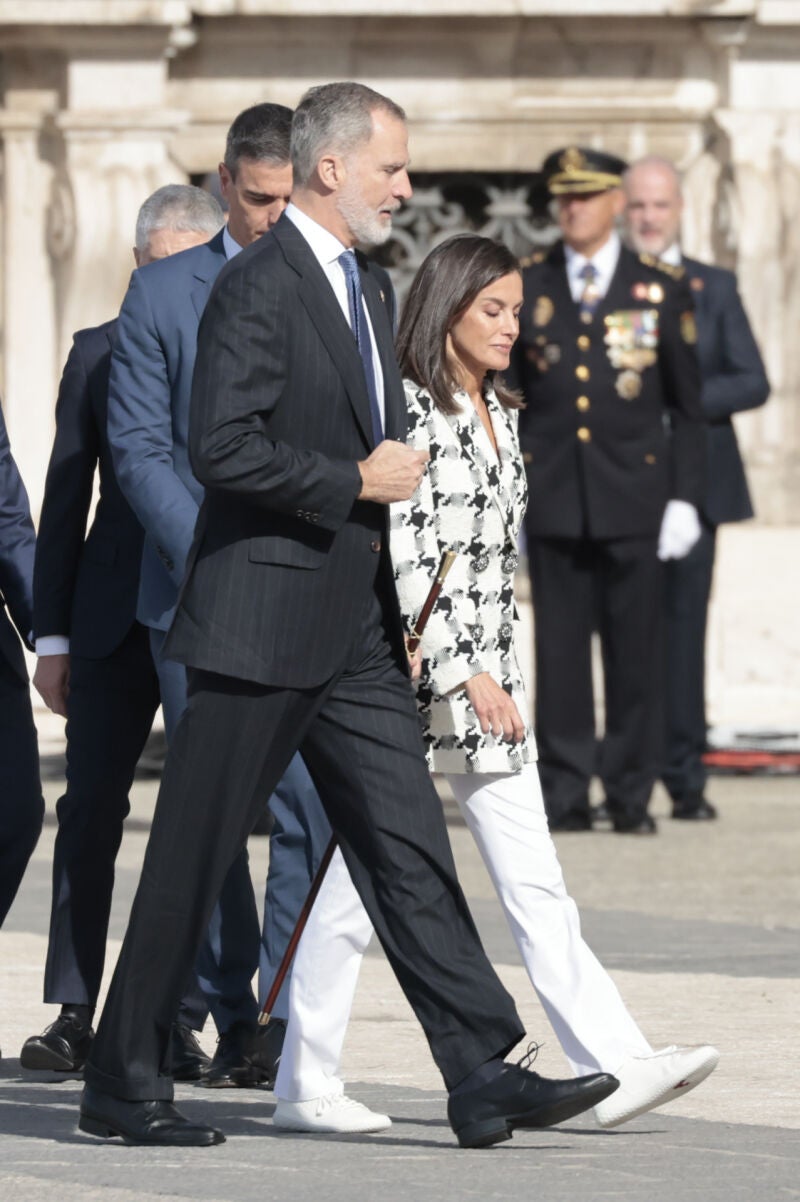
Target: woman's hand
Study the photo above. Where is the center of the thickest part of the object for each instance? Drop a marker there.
(495, 709)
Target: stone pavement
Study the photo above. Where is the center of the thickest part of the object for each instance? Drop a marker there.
(700, 928)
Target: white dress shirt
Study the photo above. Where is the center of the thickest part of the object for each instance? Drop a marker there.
(326, 249)
(604, 262)
(672, 255)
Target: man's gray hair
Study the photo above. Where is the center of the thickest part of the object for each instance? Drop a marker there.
(334, 117)
(655, 160)
(178, 207)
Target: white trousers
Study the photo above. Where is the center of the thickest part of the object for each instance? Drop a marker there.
(506, 816)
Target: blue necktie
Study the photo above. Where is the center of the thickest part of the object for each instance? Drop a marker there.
(360, 328)
(590, 298)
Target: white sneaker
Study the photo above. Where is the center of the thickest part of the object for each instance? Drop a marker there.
(335, 1114)
(649, 1081)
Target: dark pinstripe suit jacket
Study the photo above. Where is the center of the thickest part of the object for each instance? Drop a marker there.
(285, 559)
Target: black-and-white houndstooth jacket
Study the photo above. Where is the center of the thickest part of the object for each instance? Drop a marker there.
(470, 501)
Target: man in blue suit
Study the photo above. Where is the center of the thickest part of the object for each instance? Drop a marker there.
(95, 667)
(21, 802)
(733, 380)
(148, 424)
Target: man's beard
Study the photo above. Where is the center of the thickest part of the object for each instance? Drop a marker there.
(363, 222)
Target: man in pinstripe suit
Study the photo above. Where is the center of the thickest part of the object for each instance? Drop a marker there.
(289, 625)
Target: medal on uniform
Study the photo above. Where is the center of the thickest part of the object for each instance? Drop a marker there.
(542, 311)
(552, 353)
(696, 284)
(655, 294)
(688, 328)
(628, 385)
(631, 338)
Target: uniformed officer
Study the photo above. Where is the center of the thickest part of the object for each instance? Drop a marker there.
(613, 441)
(734, 379)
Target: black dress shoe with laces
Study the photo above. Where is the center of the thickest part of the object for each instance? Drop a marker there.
(519, 1098)
(693, 808)
(572, 821)
(153, 1122)
(642, 824)
(188, 1061)
(63, 1046)
(246, 1055)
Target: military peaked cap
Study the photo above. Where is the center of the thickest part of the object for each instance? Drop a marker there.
(578, 169)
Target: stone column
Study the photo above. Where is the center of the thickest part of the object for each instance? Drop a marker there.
(29, 361)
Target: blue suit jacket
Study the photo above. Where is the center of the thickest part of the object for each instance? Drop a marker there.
(733, 378)
(17, 544)
(148, 414)
(86, 590)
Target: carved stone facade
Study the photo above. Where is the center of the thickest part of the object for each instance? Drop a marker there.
(104, 100)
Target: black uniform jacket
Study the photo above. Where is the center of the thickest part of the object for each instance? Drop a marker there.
(16, 559)
(734, 379)
(85, 590)
(612, 427)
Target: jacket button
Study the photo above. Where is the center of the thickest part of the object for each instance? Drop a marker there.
(585, 435)
(375, 545)
(527, 457)
(649, 458)
(582, 371)
(582, 403)
(584, 342)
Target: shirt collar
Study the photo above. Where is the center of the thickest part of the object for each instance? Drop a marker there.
(325, 246)
(229, 243)
(604, 259)
(672, 255)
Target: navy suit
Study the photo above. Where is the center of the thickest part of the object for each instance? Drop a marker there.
(148, 426)
(733, 380)
(21, 802)
(86, 590)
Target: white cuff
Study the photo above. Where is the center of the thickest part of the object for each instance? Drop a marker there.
(52, 644)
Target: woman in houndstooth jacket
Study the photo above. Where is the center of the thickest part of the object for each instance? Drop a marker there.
(455, 337)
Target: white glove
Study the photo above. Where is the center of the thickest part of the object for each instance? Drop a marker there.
(680, 530)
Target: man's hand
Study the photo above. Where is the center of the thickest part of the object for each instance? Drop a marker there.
(680, 530)
(495, 709)
(51, 680)
(391, 473)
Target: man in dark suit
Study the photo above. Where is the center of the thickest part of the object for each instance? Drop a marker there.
(733, 380)
(21, 801)
(148, 428)
(288, 621)
(605, 360)
(94, 667)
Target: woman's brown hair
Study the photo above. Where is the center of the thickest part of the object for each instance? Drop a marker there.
(446, 284)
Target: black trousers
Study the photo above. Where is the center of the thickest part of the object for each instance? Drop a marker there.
(21, 801)
(687, 588)
(613, 586)
(360, 738)
(111, 706)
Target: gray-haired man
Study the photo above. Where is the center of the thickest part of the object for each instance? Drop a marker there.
(94, 665)
(290, 627)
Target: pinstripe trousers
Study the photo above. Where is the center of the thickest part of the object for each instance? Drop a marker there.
(360, 738)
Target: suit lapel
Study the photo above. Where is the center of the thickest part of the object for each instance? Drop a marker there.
(206, 271)
(476, 447)
(320, 302)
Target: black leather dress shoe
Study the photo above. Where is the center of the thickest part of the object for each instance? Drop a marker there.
(62, 1047)
(571, 822)
(643, 824)
(188, 1061)
(522, 1099)
(693, 808)
(246, 1055)
(155, 1122)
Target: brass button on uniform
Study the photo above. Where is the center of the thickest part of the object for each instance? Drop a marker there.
(375, 545)
(527, 457)
(649, 458)
(584, 342)
(583, 403)
(584, 435)
(582, 371)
